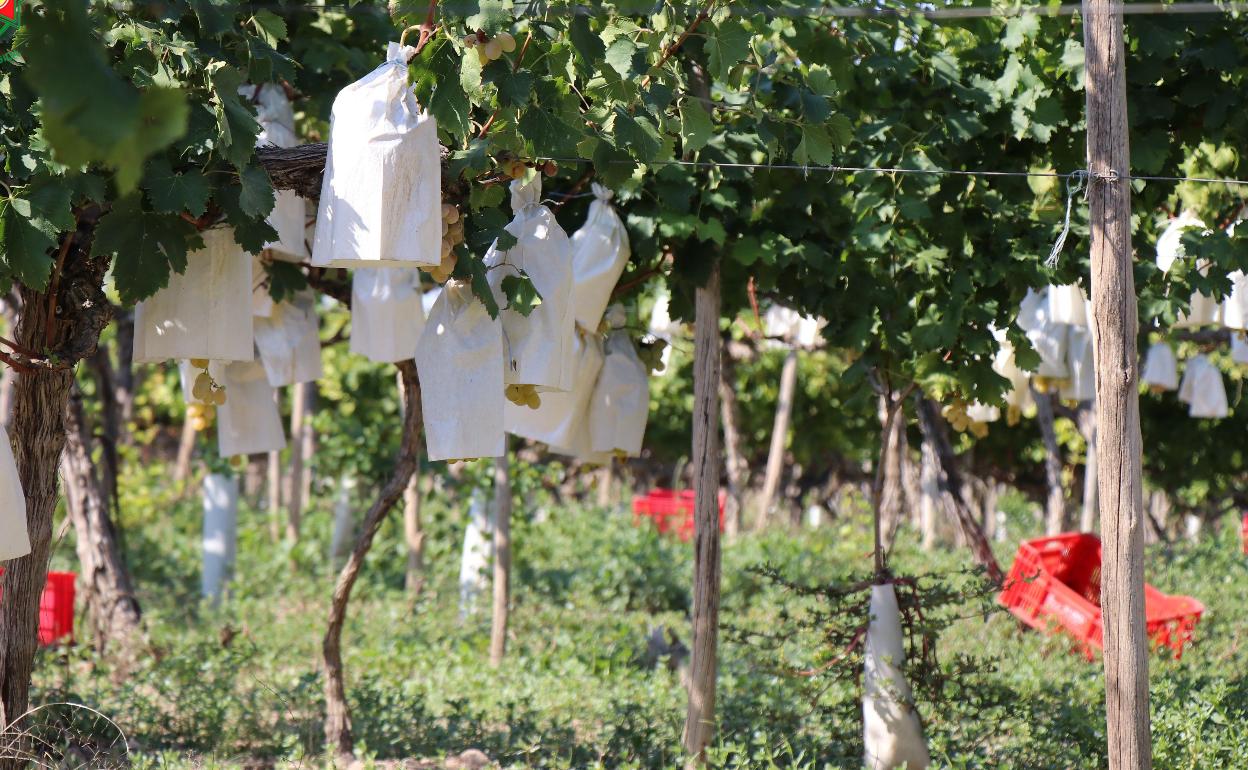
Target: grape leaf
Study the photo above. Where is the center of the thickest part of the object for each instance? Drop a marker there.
(726, 46)
(237, 126)
(255, 196)
(285, 280)
(522, 296)
(144, 246)
(622, 56)
(172, 193)
(695, 125)
(24, 247)
(270, 26)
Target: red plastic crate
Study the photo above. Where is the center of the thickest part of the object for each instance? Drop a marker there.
(1057, 580)
(56, 607)
(671, 511)
(1243, 533)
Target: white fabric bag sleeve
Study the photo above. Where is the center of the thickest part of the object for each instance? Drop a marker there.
(1160, 370)
(621, 402)
(1235, 306)
(381, 198)
(536, 347)
(203, 312)
(387, 314)
(14, 539)
(600, 251)
(249, 421)
(892, 733)
(459, 362)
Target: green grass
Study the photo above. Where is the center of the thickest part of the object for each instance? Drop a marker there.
(573, 692)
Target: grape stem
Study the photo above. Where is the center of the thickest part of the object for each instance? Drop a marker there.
(704, 14)
(515, 67)
(54, 285)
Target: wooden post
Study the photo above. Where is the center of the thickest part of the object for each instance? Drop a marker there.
(737, 467)
(1087, 426)
(502, 559)
(700, 716)
(299, 424)
(779, 437)
(1055, 502)
(414, 536)
(1114, 328)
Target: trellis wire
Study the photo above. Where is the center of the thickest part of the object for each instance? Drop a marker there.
(810, 169)
(772, 10)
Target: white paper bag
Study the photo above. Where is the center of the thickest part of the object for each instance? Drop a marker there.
(276, 117)
(459, 362)
(1068, 305)
(381, 199)
(1203, 390)
(14, 539)
(892, 733)
(620, 405)
(535, 347)
(1235, 306)
(978, 412)
(204, 312)
(1047, 337)
(1239, 348)
(289, 342)
(261, 300)
(249, 421)
(600, 252)
(1019, 393)
(387, 316)
(1081, 386)
(220, 534)
(1170, 242)
(1160, 371)
(562, 415)
(1205, 312)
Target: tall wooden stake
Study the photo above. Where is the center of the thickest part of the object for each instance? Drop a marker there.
(700, 717)
(502, 559)
(779, 437)
(1114, 328)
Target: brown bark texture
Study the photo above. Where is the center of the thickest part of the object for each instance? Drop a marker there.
(104, 581)
(502, 560)
(738, 471)
(338, 735)
(779, 439)
(69, 332)
(700, 716)
(1114, 329)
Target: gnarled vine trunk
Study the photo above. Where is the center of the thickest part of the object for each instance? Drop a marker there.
(337, 713)
(70, 330)
(953, 492)
(779, 438)
(103, 578)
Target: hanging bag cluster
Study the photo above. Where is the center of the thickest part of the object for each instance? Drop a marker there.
(381, 198)
(536, 345)
(288, 342)
(600, 251)
(249, 421)
(387, 315)
(1045, 335)
(461, 379)
(203, 312)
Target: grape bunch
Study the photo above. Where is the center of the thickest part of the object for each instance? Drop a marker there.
(452, 235)
(206, 390)
(1049, 384)
(516, 169)
(200, 415)
(955, 413)
(490, 48)
(523, 395)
